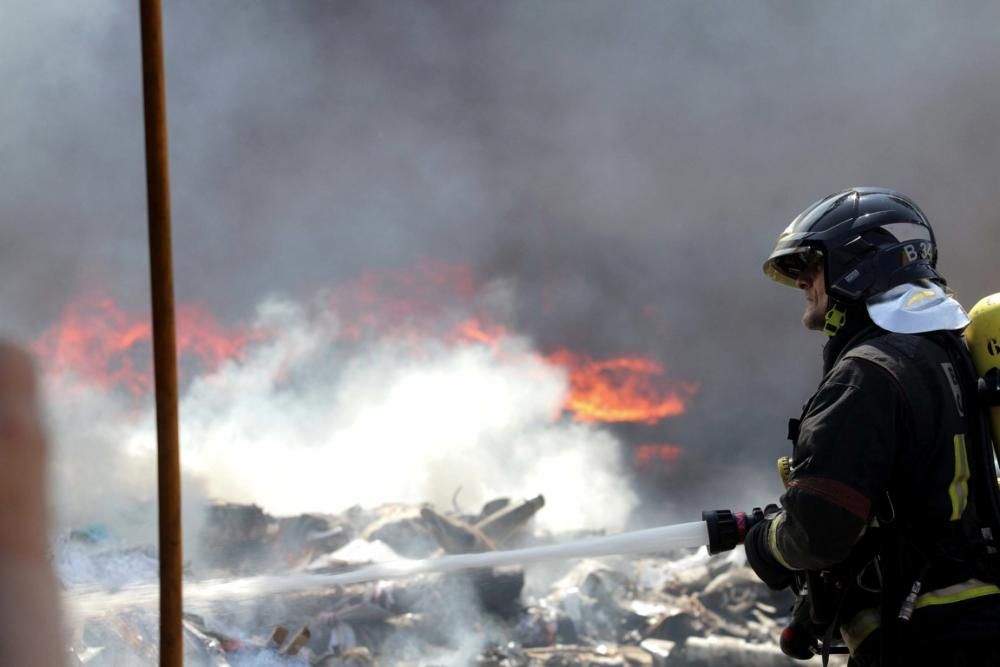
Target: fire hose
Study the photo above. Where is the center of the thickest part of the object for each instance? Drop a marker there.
(719, 531)
(205, 592)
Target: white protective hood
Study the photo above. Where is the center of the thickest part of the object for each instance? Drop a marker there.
(916, 308)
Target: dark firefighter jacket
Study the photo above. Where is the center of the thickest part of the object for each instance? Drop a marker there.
(880, 451)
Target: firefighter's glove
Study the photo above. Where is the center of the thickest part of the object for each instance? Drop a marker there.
(763, 561)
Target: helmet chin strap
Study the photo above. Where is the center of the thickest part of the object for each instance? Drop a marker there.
(835, 319)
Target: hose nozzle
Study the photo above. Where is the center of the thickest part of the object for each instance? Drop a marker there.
(726, 528)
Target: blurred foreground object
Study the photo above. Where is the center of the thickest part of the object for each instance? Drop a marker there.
(30, 622)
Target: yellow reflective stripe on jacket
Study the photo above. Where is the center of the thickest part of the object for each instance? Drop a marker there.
(772, 540)
(866, 621)
(855, 631)
(967, 590)
(958, 490)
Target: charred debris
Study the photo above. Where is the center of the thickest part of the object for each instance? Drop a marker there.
(669, 609)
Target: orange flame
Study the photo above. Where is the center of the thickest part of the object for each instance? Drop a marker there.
(474, 331)
(621, 389)
(644, 455)
(100, 342)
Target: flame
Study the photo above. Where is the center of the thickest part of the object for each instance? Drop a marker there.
(474, 331)
(98, 341)
(644, 455)
(620, 389)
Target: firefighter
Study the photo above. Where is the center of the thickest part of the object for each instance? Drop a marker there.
(878, 522)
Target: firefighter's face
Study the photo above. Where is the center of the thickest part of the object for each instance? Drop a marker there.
(811, 282)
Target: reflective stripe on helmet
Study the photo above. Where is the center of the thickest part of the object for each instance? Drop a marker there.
(908, 231)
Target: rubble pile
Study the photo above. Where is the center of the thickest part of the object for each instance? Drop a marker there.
(671, 609)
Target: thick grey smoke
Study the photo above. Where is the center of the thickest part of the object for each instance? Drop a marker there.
(625, 166)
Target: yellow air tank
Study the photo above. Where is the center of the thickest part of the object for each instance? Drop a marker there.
(983, 338)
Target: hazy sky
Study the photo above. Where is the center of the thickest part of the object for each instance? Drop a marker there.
(622, 169)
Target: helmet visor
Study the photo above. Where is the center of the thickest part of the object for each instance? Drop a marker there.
(785, 266)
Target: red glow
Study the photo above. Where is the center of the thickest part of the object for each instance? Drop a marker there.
(474, 331)
(402, 303)
(644, 455)
(103, 344)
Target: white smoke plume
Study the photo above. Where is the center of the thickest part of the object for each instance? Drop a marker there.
(306, 422)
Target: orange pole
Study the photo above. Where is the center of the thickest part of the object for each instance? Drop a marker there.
(164, 335)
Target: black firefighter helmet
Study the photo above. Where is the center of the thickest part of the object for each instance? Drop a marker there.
(868, 240)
